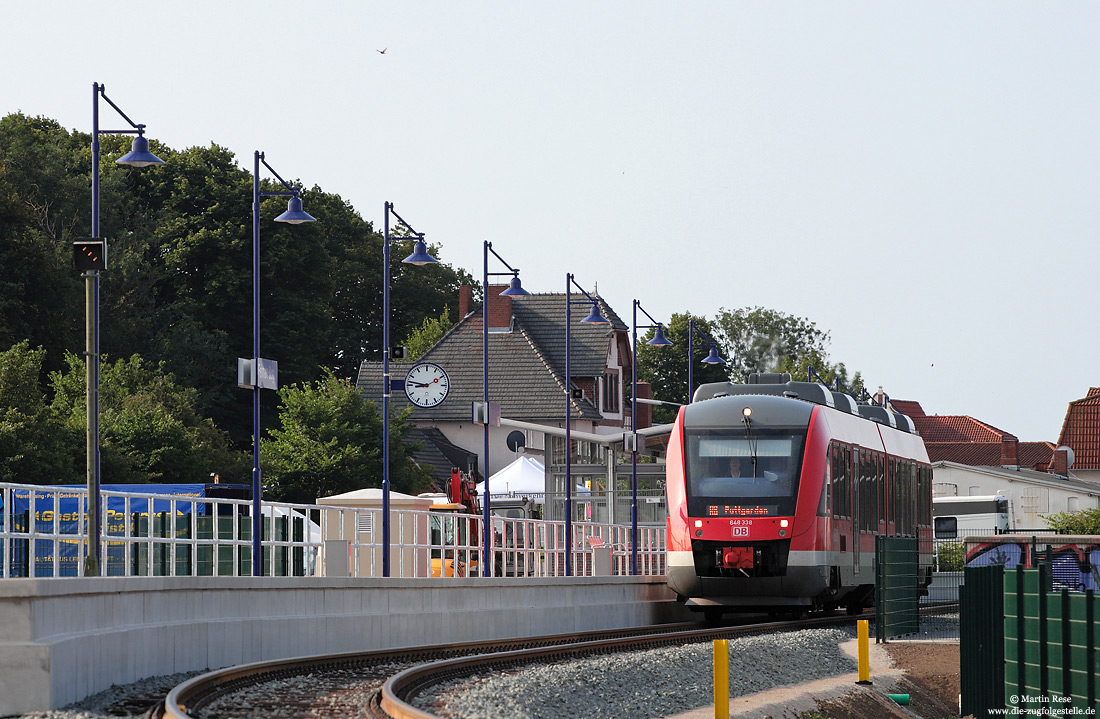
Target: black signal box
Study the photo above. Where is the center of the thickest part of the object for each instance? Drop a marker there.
(90, 254)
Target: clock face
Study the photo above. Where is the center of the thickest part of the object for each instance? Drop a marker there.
(426, 385)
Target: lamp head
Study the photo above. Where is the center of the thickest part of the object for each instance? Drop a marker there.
(139, 155)
(594, 317)
(713, 357)
(659, 338)
(420, 255)
(294, 214)
(514, 288)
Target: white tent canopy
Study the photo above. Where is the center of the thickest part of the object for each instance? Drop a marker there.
(526, 475)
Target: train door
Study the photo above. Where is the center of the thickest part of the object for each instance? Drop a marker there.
(856, 480)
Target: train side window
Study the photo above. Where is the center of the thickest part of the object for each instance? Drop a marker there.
(924, 501)
(824, 506)
(909, 496)
(866, 496)
(892, 491)
(842, 496)
(908, 475)
(880, 489)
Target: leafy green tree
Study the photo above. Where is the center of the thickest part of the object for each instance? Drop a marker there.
(762, 340)
(666, 368)
(330, 442)
(44, 202)
(829, 373)
(1085, 521)
(178, 288)
(150, 429)
(33, 441)
(424, 337)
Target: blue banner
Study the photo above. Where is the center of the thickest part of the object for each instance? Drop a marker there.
(61, 509)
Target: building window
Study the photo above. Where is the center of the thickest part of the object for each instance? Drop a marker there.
(611, 393)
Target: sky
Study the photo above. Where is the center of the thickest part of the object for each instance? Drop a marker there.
(921, 180)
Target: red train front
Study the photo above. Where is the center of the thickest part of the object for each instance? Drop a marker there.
(776, 492)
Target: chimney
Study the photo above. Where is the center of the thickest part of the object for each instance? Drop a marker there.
(1008, 452)
(500, 308)
(645, 411)
(465, 300)
(1059, 463)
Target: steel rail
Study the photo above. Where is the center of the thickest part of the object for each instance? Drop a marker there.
(400, 690)
(184, 700)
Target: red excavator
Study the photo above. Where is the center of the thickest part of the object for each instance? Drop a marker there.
(454, 535)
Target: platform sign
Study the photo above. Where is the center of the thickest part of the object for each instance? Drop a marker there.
(63, 510)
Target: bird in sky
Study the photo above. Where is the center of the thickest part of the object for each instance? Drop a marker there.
(383, 51)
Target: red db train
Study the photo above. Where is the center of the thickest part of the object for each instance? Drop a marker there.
(776, 491)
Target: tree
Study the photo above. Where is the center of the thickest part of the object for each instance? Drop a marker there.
(178, 287)
(826, 372)
(150, 429)
(44, 203)
(1085, 521)
(665, 368)
(330, 442)
(424, 337)
(762, 340)
(33, 441)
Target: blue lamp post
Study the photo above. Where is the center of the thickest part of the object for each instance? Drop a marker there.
(419, 256)
(711, 358)
(139, 156)
(514, 289)
(594, 317)
(659, 340)
(294, 216)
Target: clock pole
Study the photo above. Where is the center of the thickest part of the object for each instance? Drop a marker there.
(419, 256)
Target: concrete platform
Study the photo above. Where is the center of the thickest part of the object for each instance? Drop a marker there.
(64, 639)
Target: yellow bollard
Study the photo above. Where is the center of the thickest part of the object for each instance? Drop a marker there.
(864, 657)
(721, 679)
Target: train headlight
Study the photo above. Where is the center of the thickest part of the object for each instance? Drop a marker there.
(783, 523)
(747, 412)
(698, 523)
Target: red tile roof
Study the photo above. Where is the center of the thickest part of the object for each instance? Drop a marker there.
(957, 428)
(1034, 455)
(1081, 430)
(963, 439)
(908, 407)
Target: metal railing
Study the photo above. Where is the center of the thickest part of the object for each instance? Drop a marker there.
(43, 533)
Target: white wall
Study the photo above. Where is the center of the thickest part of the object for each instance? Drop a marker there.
(64, 639)
(1029, 497)
(471, 437)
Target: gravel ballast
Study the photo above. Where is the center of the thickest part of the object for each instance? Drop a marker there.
(648, 684)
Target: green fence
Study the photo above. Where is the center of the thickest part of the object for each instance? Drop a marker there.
(897, 587)
(1050, 644)
(1026, 648)
(982, 640)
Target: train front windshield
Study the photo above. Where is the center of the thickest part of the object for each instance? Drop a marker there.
(731, 473)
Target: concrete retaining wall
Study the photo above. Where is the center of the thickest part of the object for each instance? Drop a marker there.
(64, 639)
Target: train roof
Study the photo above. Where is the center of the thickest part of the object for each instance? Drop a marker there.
(774, 385)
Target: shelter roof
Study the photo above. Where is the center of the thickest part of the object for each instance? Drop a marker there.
(439, 455)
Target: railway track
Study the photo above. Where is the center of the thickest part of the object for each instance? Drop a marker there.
(388, 683)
